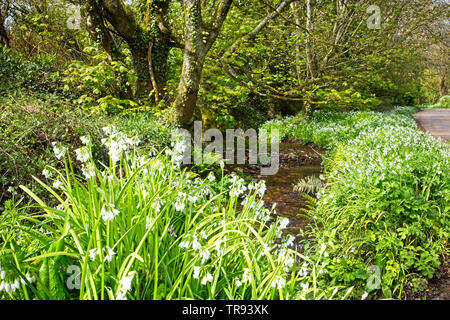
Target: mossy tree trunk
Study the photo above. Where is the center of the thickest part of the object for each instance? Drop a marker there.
(198, 40)
(149, 47)
(4, 37)
(442, 84)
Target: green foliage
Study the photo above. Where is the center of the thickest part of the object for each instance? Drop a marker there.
(444, 102)
(329, 129)
(34, 76)
(348, 99)
(101, 83)
(311, 185)
(28, 126)
(386, 200)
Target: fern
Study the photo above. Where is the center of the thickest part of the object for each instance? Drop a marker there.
(309, 185)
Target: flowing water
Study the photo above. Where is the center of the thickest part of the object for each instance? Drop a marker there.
(297, 161)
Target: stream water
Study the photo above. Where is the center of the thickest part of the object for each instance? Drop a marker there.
(297, 161)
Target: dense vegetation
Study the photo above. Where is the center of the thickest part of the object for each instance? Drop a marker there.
(386, 198)
(94, 203)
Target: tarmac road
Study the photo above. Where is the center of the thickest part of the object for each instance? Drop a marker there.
(435, 121)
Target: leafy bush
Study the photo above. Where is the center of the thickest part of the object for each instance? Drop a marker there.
(103, 86)
(444, 102)
(329, 129)
(28, 126)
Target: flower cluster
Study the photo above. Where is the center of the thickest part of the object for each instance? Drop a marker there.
(118, 142)
(125, 286)
(11, 287)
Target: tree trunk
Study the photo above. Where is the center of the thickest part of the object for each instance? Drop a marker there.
(4, 38)
(310, 61)
(442, 85)
(139, 53)
(188, 87)
(298, 54)
(198, 42)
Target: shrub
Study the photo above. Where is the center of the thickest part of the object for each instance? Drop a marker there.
(29, 125)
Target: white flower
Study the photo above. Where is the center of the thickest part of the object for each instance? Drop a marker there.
(203, 234)
(47, 173)
(219, 249)
(284, 223)
(89, 171)
(179, 205)
(305, 286)
(262, 188)
(121, 296)
(115, 150)
(304, 270)
(157, 204)
(289, 241)
(12, 190)
(31, 279)
(246, 276)
(150, 223)
(196, 245)
(109, 130)
(207, 278)
(57, 184)
(125, 283)
(184, 245)
(196, 272)
(109, 212)
(238, 283)
(364, 296)
(83, 154)
(93, 254)
(110, 255)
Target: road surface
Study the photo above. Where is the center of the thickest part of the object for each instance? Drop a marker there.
(435, 121)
